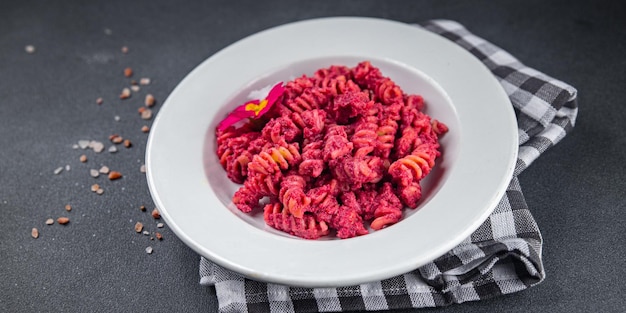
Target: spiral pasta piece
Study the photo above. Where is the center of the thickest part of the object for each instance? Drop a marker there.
(406, 143)
(222, 136)
(418, 130)
(276, 216)
(237, 167)
(324, 202)
(292, 195)
(365, 135)
(414, 102)
(345, 218)
(340, 85)
(312, 124)
(232, 152)
(409, 170)
(336, 143)
(281, 130)
(413, 166)
(310, 99)
(349, 105)
(275, 159)
(246, 199)
(387, 91)
(255, 188)
(410, 194)
(297, 86)
(364, 73)
(232, 141)
(386, 137)
(323, 75)
(355, 171)
(438, 127)
(312, 159)
(348, 223)
(366, 198)
(384, 89)
(388, 208)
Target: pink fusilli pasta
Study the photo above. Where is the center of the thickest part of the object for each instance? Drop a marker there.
(342, 152)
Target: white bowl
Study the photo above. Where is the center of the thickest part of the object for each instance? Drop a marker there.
(194, 195)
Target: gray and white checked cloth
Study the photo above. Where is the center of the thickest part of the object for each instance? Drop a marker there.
(502, 256)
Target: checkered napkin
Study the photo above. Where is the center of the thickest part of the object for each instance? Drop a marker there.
(502, 256)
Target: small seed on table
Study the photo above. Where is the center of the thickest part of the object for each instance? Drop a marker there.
(159, 225)
(95, 187)
(100, 191)
(144, 81)
(127, 143)
(145, 128)
(63, 220)
(138, 227)
(49, 221)
(128, 72)
(99, 101)
(94, 173)
(146, 114)
(125, 93)
(149, 250)
(112, 149)
(97, 147)
(34, 233)
(68, 207)
(142, 168)
(158, 236)
(83, 158)
(149, 100)
(147, 233)
(113, 175)
(83, 144)
(142, 208)
(115, 138)
(134, 88)
(156, 214)
(104, 170)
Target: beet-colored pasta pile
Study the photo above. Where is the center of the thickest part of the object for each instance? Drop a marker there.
(339, 150)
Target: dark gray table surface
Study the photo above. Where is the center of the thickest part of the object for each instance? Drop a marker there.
(97, 262)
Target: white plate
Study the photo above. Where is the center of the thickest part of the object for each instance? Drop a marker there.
(191, 189)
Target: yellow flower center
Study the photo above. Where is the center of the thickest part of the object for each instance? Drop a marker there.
(256, 107)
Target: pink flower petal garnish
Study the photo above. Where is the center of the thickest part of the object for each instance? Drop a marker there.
(253, 109)
(237, 115)
(275, 93)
